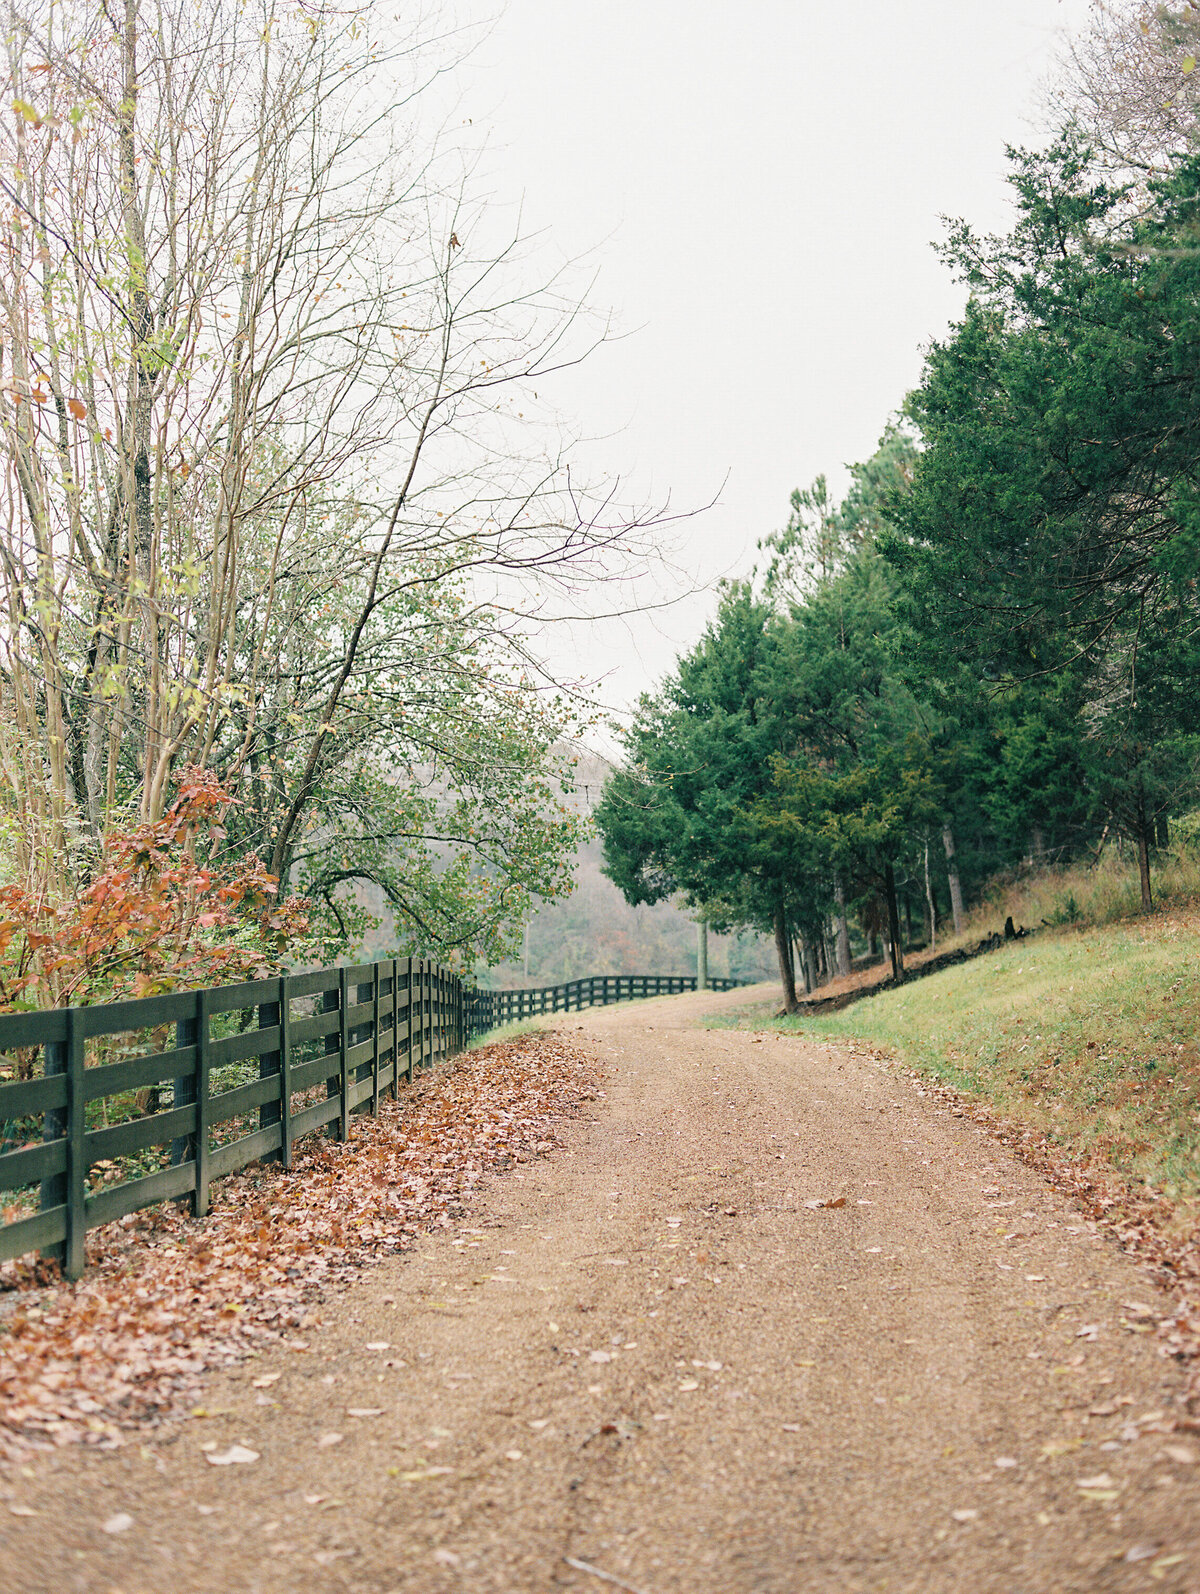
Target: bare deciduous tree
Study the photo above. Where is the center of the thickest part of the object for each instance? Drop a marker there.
(265, 420)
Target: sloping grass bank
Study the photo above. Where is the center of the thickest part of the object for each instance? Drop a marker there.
(1088, 1037)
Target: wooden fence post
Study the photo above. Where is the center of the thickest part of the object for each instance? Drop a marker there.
(285, 1073)
(183, 1147)
(75, 1244)
(330, 1001)
(200, 1192)
(53, 1191)
(343, 1051)
(375, 1039)
(395, 1026)
(269, 1065)
(408, 1045)
(431, 1012)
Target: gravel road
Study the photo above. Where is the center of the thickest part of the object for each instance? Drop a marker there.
(654, 1356)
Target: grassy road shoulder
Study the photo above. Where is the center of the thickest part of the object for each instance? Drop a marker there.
(1081, 1046)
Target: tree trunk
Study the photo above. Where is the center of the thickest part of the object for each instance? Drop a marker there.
(842, 929)
(956, 896)
(1143, 851)
(702, 955)
(1162, 833)
(929, 902)
(893, 912)
(807, 972)
(783, 949)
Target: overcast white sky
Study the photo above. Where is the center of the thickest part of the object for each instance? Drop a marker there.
(759, 184)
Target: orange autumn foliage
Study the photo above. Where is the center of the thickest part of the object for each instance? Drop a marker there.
(163, 911)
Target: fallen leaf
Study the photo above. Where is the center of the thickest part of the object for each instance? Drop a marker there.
(1141, 1552)
(964, 1515)
(1005, 1461)
(1183, 1455)
(1160, 1567)
(838, 1201)
(382, 1344)
(236, 1455)
(22, 1511)
(266, 1380)
(600, 1356)
(540, 1422)
(689, 1384)
(364, 1411)
(327, 1440)
(791, 1427)
(120, 1522)
(512, 1455)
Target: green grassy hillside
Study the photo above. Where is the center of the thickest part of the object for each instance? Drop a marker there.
(1090, 1036)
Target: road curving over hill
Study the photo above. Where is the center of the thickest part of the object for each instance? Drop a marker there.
(771, 1322)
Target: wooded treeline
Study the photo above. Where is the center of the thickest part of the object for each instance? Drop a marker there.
(989, 650)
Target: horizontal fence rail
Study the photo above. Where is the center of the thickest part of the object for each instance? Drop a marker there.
(491, 1009)
(108, 1109)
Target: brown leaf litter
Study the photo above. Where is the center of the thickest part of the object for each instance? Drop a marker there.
(166, 1296)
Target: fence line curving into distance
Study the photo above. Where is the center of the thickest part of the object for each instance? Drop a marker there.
(493, 1008)
(108, 1109)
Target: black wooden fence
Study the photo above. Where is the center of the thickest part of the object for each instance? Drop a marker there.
(493, 1008)
(249, 1069)
(87, 1134)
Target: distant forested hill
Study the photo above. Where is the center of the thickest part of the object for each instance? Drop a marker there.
(595, 931)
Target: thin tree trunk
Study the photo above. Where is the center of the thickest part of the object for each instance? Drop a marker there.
(802, 953)
(1143, 852)
(929, 902)
(783, 950)
(842, 929)
(893, 911)
(956, 896)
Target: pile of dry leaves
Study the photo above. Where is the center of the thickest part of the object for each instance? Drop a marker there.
(166, 1296)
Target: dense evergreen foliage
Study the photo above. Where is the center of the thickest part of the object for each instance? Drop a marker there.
(988, 652)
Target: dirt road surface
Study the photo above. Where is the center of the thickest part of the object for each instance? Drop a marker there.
(651, 1356)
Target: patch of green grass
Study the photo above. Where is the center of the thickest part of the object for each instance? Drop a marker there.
(514, 1031)
(1091, 1036)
